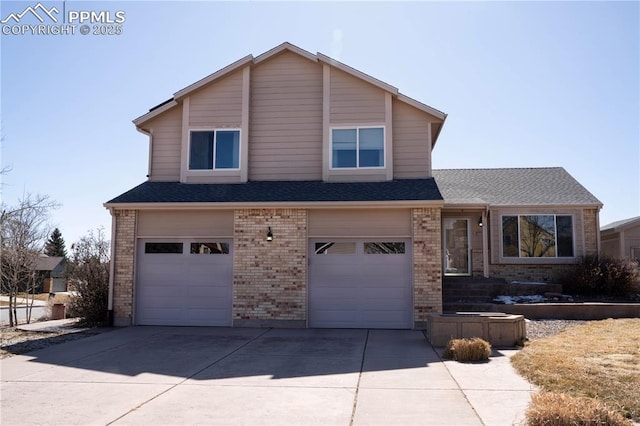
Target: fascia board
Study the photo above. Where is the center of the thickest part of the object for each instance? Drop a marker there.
(465, 206)
(285, 46)
(359, 74)
(213, 77)
(545, 206)
(424, 107)
(151, 114)
(287, 204)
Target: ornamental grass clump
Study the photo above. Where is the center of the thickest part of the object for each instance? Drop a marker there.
(560, 409)
(468, 350)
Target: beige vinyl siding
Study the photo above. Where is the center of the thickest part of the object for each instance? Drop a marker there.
(285, 130)
(165, 148)
(496, 233)
(354, 102)
(622, 244)
(219, 104)
(610, 246)
(632, 241)
(360, 223)
(411, 145)
(171, 223)
(360, 175)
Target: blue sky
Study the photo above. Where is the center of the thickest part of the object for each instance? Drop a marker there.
(524, 84)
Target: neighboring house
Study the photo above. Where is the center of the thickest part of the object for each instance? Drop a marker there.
(292, 190)
(51, 271)
(621, 239)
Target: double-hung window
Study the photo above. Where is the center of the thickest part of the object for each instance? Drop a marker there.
(214, 149)
(357, 147)
(537, 236)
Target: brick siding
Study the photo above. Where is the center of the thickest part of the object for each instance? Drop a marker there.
(123, 266)
(270, 277)
(427, 264)
(591, 231)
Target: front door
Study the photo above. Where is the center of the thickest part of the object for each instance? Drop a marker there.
(457, 256)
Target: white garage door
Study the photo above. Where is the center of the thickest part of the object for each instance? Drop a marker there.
(360, 283)
(184, 282)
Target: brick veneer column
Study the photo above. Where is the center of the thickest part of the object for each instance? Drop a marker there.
(270, 277)
(427, 264)
(123, 266)
(591, 231)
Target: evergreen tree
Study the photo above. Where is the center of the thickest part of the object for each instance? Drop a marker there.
(55, 245)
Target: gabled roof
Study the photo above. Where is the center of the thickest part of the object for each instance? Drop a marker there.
(621, 225)
(48, 263)
(249, 60)
(150, 193)
(550, 186)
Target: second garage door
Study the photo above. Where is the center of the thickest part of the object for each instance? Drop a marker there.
(184, 282)
(364, 283)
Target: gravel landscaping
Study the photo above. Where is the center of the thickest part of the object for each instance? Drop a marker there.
(15, 342)
(539, 329)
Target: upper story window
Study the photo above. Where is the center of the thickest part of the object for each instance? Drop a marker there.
(537, 236)
(214, 149)
(357, 147)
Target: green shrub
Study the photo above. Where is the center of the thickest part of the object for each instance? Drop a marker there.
(603, 276)
(91, 303)
(468, 350)
(559, 409)
(89, 272)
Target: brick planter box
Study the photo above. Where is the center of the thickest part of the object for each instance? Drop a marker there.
(496, 328)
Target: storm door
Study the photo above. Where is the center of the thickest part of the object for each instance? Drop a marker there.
(456, 253)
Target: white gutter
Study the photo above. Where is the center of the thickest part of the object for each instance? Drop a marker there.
(275, 204)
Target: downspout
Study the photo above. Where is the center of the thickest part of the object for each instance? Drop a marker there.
(112, 267)
(598, 232)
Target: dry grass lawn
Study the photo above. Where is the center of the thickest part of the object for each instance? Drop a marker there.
(598, 360)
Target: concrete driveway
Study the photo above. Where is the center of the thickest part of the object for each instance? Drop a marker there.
(182, 375)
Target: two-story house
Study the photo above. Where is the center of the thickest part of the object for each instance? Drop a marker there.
(289, 189)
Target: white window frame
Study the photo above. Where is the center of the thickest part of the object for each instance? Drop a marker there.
(215, 131)
(555, 258)
(357, 129)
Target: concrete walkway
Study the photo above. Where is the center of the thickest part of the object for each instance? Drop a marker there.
(182, 375)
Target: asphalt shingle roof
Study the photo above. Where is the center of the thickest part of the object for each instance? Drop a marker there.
(281, 191)
(621, 223)
(48, 263)
(512, 187)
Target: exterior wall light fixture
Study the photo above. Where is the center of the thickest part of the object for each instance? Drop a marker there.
(269, 235)
(480, 224)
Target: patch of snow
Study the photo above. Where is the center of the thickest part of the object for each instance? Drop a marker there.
(512, 300)
(527, 282)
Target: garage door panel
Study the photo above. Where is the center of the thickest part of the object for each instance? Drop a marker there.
(384, 297)
(183, 288)
(360, 290)
(342, 304)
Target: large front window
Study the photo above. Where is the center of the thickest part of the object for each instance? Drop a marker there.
(357, 147)
(537, 236)
(214, 149)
